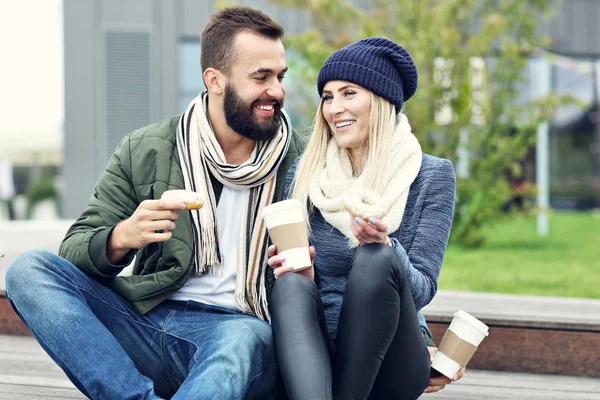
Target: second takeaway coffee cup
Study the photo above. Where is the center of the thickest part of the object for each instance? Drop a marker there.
(287, 229)
(459, 344)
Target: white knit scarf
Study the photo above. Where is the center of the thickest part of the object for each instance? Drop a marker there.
(335, 181)
(200, 156)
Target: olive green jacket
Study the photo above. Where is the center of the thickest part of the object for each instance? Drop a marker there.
(145, 165)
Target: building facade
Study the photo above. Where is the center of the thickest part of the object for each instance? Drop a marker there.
(130, 63)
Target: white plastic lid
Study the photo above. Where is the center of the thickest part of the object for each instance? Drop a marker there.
(480, 326)
(280, 206)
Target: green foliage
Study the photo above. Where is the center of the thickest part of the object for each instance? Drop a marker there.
(444, 37)
(40, 190)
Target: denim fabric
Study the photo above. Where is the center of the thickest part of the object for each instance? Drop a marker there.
(179, 350)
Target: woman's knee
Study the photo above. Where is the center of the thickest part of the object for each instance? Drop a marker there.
(294, 301)
(376, 263)
(292, 286)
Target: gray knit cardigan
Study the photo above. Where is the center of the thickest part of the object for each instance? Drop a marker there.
(420, 242)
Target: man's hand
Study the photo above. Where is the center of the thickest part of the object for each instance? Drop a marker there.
(437, 383)
(153, 221)
(275, 261)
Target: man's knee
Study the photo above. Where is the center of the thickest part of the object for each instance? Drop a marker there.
(26, 271)
(247, 353)
(262, 359)
(251, 345)
(257, 334)
(250, 333)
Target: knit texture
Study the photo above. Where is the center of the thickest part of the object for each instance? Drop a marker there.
(420, 242)
(336, 181)
(201, 156)
(375, 63)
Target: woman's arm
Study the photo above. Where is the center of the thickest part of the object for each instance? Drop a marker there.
(423, 261)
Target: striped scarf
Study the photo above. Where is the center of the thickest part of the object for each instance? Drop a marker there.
(201, 156)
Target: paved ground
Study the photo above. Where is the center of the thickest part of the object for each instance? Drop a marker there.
(27, 373)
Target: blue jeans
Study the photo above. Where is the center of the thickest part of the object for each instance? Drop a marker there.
(179, 350)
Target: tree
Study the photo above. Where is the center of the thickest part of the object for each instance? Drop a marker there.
(471, 56)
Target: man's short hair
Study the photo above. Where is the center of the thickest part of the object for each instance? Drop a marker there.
(217, 38)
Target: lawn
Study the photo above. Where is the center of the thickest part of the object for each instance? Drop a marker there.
(515, 259)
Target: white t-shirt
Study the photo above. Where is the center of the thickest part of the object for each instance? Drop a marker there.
(218, 288)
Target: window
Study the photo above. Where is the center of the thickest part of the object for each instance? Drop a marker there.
(190, 73)
(574, 177)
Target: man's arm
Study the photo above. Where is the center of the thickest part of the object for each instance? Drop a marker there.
(113, 201)
(153, 221)
(115, 224)
(116, 249)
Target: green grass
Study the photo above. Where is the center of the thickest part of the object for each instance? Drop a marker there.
(515, 259)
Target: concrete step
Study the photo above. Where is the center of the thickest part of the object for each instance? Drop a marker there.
(533, 334)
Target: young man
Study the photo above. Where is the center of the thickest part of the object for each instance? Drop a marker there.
(191, 320)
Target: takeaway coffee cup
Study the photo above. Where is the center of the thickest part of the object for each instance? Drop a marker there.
(459, 344)
(287, 229)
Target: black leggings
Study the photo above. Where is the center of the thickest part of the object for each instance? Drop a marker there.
(379, 352)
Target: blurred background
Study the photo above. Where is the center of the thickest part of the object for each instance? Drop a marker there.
(508, 90)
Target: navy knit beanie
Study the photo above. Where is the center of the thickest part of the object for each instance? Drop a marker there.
(375, 63)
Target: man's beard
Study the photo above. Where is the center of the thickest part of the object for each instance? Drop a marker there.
(240, 116)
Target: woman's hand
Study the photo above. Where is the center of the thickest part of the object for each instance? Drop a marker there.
(372, 231)
(439, 382)
(276, 262)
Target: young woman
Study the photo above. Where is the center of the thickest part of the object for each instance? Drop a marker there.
(348, 328)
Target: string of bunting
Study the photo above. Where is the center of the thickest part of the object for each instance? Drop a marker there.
(564, 62)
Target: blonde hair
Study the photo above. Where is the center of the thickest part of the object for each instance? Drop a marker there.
(382, 123)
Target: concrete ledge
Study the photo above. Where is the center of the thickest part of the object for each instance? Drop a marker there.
(10, 323)
(540, 351)
(15, 238)
(18, 236)
(532, 334)
(518, 310)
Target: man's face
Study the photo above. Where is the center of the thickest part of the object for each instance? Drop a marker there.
(242, 116)
(254, 91)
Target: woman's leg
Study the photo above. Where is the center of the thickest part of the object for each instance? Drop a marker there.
(380, 350)
(302, 342)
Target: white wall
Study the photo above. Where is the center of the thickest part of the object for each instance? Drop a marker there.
(31, 78)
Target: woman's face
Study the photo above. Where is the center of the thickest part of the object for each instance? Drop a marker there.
(346, 108)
